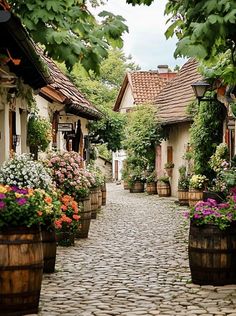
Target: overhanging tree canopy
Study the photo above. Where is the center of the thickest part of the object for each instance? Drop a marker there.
(69, 31)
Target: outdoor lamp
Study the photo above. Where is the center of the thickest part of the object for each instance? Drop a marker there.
(200, 88)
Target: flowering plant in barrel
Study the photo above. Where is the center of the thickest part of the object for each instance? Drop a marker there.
(197, 181)
(211, 212)
(68, 175)
(68, 221)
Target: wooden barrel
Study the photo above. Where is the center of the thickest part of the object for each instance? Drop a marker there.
(183, 197)
(151, 188)
(163, 189)
(104, 194)
(94, 202)
(99, 198)
(21, 270)
(212, 254)
(137, 187)
(65, 238)
(126, 185)
(194, 196)
(85, 219)
(49, 248)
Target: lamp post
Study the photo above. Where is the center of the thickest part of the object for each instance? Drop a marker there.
(200, 88)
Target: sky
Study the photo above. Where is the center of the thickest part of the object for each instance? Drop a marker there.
(146, 41)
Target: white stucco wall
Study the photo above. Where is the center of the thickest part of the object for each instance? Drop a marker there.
(127, 101)
(119, 156)
(178, 139)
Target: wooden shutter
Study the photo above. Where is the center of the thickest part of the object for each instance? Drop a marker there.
(169, 154)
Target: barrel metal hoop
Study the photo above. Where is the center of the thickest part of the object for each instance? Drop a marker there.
(36, 266)
(217, 251)
(24, 294)
(19, 242)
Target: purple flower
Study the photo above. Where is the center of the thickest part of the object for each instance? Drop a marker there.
(233, 190)
(222, 205)
(197, 216)
(21, 201)
(2, 204)
(186, 214)
(212, 202)
(2, 196)
(22, 191)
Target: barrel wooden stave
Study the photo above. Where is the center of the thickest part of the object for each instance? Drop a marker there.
(21, 270)
(151, 188)
(137, 187)
(163, 189)
(104, 194)
(212, 255)
(195, 196)
(99, 198)
(49, 249)
(183, 197)
(85, 219)
(94, 202)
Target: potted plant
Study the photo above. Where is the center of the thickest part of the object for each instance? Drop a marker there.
(212, 242)
(151, 183)
(68, 221)
(197, 184)
(39, 134)
(183, 186)
(21, 211)
(136, 180)
(75, 181)
(163, 186)
(168, 168)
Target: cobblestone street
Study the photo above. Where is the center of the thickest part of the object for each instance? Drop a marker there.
(134, 263)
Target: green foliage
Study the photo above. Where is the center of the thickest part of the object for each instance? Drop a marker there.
(205, 135)
(102, 91)
(104, 152)
(69, 31)
(164, 179)
(39, 132)
(143, 133)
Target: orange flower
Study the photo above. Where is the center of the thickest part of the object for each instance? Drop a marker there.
(48, 199)
(40, 213)
(76, 217)
(74, 205)
(64, 207)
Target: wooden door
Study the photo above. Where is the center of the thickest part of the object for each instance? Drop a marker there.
(116, 169)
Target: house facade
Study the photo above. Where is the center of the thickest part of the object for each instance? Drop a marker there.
(172, 103)
(24, 67)
(138, 87)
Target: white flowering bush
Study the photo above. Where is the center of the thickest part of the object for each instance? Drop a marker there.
(218, 161)
(198, 181)
(24, 172)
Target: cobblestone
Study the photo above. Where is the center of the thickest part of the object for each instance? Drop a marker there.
(133, 263)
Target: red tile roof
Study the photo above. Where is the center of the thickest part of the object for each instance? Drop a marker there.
(75, 101)
(145, 86)
(173, 100)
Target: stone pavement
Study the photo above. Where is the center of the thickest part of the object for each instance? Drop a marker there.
(134, 263)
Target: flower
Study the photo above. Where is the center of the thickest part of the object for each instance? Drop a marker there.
(26, 208)
(21, 172)
(68, 219)
(68, 174)
(197, 181)
(211, 212)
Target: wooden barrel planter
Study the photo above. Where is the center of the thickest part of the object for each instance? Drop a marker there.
(49, 249)
(194, 196)
(126, 185)
(21, 270)
(218, 196)
(151, 188)
(137, 187)
(85, 219)
(163, 189)
(212, 254)
(65, 238)
(99, 198)
(94, 202)
(183, 197)
(104, 194)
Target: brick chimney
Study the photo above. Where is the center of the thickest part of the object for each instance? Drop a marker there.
(165, 72)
